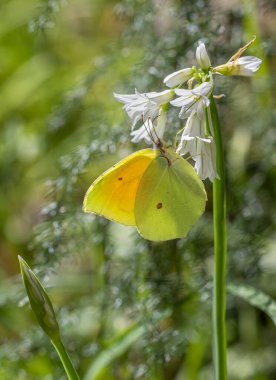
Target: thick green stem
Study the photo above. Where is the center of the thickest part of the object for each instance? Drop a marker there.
(220, 250)
(66, 361)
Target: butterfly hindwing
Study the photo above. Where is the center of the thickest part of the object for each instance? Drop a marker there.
(170, 198)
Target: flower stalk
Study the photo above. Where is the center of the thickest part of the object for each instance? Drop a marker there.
(220, 251)
(65, 359)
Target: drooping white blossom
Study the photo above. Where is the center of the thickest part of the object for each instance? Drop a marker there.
(202, 56)
(141, 107)
(197, 143)
(194, 100)
(205, 159)
(179, 77)
(243, 66)
(195, 127)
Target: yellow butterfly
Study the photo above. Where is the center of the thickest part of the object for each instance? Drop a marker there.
(155, 190)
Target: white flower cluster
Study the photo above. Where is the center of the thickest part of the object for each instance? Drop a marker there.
(197, 138)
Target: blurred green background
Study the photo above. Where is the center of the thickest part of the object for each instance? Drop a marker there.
(129, 309)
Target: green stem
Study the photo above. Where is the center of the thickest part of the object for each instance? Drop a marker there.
(66, 361)
(220, 250)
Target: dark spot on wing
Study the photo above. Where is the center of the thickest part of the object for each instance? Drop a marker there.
(159, 205)
(120, 178)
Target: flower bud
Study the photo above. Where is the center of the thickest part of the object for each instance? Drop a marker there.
(202, 57)
(178, 77)
(39, 300)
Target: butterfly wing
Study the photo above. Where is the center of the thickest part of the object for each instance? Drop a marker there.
(170, 198)
(113, 194)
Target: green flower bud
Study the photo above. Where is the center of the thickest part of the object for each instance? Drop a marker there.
(202, 56)
(39, 300)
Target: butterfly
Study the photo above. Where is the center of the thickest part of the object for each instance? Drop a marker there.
(155, 190)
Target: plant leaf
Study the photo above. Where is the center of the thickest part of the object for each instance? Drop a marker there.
(118, 347)
(256, 298)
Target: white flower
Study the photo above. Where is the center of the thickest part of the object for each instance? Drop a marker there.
(151, 132)
(202, 57)
(205, 159)
(201, 147)
(178, 77)
(195, 127)
(144, 106)
(194, 100)
(245, 66)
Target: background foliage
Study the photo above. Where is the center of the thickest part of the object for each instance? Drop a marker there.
(129, 309)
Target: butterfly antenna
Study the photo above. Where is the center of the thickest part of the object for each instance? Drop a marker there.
(148, 129)
(176, 136)
(154, 129)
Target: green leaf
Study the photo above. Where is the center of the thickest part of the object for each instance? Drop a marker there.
(119, 346)
(256, 298)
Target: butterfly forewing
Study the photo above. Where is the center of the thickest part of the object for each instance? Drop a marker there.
(113, 194)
